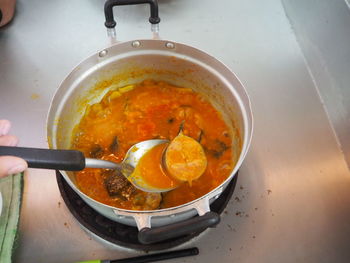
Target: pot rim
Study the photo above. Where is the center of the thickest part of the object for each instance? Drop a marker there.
(248, 126)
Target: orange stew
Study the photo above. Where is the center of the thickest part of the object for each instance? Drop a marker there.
(151, 170)
(152, 110)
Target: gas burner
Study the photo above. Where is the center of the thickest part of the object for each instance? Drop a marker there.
(124, 235)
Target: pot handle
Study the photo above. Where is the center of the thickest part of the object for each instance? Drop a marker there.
(108, 9)
(153, 235)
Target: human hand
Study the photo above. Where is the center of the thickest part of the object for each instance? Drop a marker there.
(7, 10)
(9, 164)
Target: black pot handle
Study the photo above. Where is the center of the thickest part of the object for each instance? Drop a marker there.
(110, 22)
(153, 235)
(68, 160)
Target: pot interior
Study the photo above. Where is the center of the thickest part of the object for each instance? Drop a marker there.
(128, 63)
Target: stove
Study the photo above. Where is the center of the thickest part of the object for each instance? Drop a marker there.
(124, 235)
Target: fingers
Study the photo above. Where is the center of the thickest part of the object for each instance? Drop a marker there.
(5, 126)
(11, 165)
(8, 140)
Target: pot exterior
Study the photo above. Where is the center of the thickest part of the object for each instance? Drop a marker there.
(133, 62)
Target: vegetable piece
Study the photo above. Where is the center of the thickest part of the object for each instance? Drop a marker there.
(126, 88)
(114, 145)
(114, 95)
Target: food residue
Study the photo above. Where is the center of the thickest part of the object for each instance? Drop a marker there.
(35, 96)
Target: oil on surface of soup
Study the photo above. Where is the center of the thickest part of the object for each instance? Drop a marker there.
(150, 110)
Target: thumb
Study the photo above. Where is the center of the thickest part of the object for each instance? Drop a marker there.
(11, 165)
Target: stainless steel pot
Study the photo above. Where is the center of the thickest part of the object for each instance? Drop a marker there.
(131, 62)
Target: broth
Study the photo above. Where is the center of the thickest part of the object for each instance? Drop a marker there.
(152, 110)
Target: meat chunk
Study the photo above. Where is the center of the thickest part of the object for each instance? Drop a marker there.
(96, 151)
(146, 201)
(118, 186)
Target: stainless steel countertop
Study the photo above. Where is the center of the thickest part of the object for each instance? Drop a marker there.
(295, 194)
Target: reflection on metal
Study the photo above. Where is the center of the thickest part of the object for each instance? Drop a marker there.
(323, 32)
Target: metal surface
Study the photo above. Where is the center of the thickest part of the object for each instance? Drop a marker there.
(98, 163)
(327, 54)
(150, 59)
(293, 196)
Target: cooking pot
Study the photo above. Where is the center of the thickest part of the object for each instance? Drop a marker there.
(162, 60)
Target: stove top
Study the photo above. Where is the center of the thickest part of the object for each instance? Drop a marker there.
(123, 235)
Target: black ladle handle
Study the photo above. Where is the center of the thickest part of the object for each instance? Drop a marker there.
(108, 8)
(153, 235)
(68, 160)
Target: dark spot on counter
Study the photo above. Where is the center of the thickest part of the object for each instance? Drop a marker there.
(231, 228)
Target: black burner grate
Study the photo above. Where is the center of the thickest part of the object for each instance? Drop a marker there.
(120, 234)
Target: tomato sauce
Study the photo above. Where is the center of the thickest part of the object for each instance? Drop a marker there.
(152, 110)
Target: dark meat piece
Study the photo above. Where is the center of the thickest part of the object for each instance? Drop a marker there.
(118, 186)
(218, 150)
(114, 145)
(200, 136)
(96, 151)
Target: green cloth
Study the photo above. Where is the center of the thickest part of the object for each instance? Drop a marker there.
(11, 191)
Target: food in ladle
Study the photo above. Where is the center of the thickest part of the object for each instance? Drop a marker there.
(150, 110)
(167, 165)
(151, 171)
(185, 159)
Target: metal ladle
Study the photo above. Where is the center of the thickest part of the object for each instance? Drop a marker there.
(73, 160)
